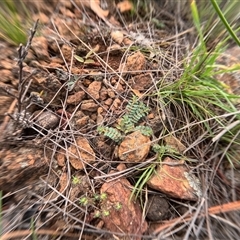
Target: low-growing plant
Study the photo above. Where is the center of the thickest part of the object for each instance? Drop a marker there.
(87, 59)
(102, 207)
(84, 201)
(105, 213)
(76, 180)
(136, 110)
(198, 91)
(118, 206)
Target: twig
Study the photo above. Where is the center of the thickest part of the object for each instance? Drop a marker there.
(227, 129)
(22, 53)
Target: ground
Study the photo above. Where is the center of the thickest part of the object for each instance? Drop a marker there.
(80, 124)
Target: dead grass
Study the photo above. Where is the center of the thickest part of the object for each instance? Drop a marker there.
(188, 103)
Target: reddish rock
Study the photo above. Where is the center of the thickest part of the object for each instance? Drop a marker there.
(100, 119)
(175, 144)
(7, 64)
(125, 215)
(61, 158)
(175, 181)
(119, 88)
(5, 103)
(47, 119)
(76, 98)
(6, 75)
(116, 103)
(94, 89)
(89, 105)
(82, 122)
(80, 154)
(141, 82)
(103, 94)
(111, 93)
(135, 62)
(40, 48)
(67, 52)
(109, 101)
(134, 148)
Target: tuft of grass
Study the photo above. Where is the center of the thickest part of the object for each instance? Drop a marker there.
(197, 90)
(142, 180)
(12, 28)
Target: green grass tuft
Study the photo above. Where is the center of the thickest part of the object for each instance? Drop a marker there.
(12, 29)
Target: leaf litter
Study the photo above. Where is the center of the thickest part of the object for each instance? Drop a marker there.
(83, 83)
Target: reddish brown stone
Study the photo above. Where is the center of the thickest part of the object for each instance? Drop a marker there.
(76, 98)
(80, 154)
(141, 82)
(134, 148)
(135, 62)
(125, 215)
(40, 48)
(89, 105)
(94, 89)
(175, 181)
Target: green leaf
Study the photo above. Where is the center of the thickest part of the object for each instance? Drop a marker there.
(80, 59)
(89, 61)
(225, 22)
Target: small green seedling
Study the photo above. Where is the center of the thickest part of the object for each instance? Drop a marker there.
(118, 206)
(83, 201)
(106, 213)
(97, 214)
(87, 59)
(75, 180)
(103, 196)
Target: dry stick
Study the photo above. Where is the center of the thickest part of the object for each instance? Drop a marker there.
(22, 53)
(227, 207)
(227, 129)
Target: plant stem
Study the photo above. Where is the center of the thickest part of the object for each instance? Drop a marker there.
(225, 22)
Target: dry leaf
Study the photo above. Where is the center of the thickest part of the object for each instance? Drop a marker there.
(137, 93)
(117, 36)
(81, 153)
(174, 143)
(94, 5)
(124, 6)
